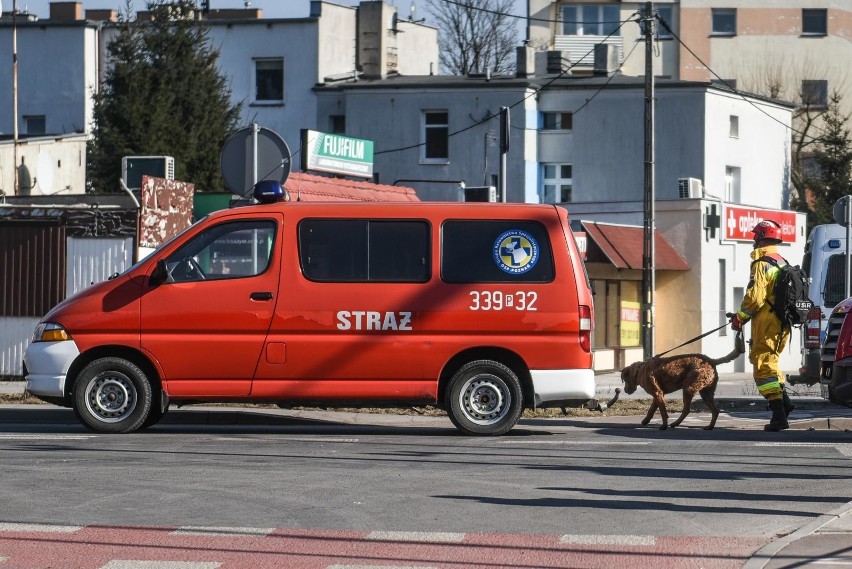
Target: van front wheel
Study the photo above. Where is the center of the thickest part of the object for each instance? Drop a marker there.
(484, 398)
(112, 395)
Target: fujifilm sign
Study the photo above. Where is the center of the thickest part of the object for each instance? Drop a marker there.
(337, 154)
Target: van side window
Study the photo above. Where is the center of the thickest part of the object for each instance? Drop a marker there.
(475, 251)
(225, 251)
(835, 281)
(365, 250)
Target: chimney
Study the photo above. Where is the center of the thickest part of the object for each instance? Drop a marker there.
(525, 66)
(66, 11)
(102, 15)
(606, 59)
(558, 61)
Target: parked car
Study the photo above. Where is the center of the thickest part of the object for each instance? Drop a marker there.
(836, 358)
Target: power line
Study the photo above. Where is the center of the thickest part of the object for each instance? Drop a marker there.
(533, 93)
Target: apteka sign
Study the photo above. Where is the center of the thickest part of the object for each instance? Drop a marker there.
(739, 221)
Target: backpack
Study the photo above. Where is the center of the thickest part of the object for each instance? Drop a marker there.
(791, 304)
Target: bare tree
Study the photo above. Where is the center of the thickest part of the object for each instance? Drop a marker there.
(779, 76)
(475, 35)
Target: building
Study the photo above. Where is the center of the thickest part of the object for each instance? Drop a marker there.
(793, 50)
(272, 66)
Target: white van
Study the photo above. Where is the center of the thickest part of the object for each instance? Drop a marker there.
(824, 263)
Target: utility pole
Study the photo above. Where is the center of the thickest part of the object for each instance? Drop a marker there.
(648, 280)
(15, 96)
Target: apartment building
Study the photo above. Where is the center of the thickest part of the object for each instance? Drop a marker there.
(796, 50)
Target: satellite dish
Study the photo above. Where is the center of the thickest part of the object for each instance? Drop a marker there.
(44, 168)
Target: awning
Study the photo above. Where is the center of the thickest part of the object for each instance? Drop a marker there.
(311, 188)
(622, 245)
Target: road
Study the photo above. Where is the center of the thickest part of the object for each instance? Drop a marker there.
(326, 491)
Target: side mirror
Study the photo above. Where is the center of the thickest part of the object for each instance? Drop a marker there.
(160, 274)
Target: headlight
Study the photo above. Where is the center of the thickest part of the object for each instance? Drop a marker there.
(50, 332)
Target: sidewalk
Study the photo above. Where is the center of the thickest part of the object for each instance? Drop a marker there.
(825, 540)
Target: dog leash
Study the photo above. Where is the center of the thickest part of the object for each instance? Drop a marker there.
(695, 338)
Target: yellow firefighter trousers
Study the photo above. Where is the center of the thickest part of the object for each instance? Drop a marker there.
(767, 342)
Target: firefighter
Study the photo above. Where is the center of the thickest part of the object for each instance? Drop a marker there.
(768, 336)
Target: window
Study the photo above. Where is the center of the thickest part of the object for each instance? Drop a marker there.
(225, 251)
(665, 13)
(364, 250)
(337, 124)
(734, 127)
(814, 22)
(495, 252)
(557, 121)
(618, 318)
(724, 21)
(835, 281)
(815, 93)
(35, 124)
(436, 134)
(590, 19)
(269, 80)
(556, 184)
(732, 184)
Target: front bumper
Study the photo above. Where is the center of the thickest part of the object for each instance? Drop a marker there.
(47, 365)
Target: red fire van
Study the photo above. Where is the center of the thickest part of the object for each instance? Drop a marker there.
(483, 309)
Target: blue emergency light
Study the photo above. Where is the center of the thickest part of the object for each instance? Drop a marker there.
(834, 243)
(269, 191)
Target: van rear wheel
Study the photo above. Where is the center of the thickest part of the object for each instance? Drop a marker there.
(484, 398)
(112, 395)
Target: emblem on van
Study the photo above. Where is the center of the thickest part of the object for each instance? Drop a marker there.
(515, 251)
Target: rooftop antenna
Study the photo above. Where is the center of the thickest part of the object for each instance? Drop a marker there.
(412, 14)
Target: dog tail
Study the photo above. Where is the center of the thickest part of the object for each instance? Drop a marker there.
(739, 348)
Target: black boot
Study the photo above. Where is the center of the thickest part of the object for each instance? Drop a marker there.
(788, 404)
(778, 422)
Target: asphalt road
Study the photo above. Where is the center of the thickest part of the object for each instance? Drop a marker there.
(603, 485)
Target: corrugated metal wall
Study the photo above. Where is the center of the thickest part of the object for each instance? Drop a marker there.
(32, 267)
(94, 260)
(15, 334)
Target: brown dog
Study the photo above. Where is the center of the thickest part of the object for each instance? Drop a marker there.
(694, 373)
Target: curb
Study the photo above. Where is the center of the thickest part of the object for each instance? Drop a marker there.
(765, 554)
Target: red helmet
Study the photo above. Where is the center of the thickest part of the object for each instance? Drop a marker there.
(767, 230)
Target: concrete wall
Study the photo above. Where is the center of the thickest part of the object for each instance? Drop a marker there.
(55, 164)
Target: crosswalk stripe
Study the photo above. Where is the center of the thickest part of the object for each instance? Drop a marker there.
(432, 537)
(45, 528)
(608, 540)
(222, 531)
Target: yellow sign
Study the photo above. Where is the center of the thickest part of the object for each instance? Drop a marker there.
(630, 324)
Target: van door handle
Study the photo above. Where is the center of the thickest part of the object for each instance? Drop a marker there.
(261, 296)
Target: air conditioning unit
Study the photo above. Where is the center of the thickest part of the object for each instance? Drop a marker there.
(689, 188)
(134, 167)
(480, 194)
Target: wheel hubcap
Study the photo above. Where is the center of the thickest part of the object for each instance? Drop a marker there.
(110, 397)
(485, 399)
